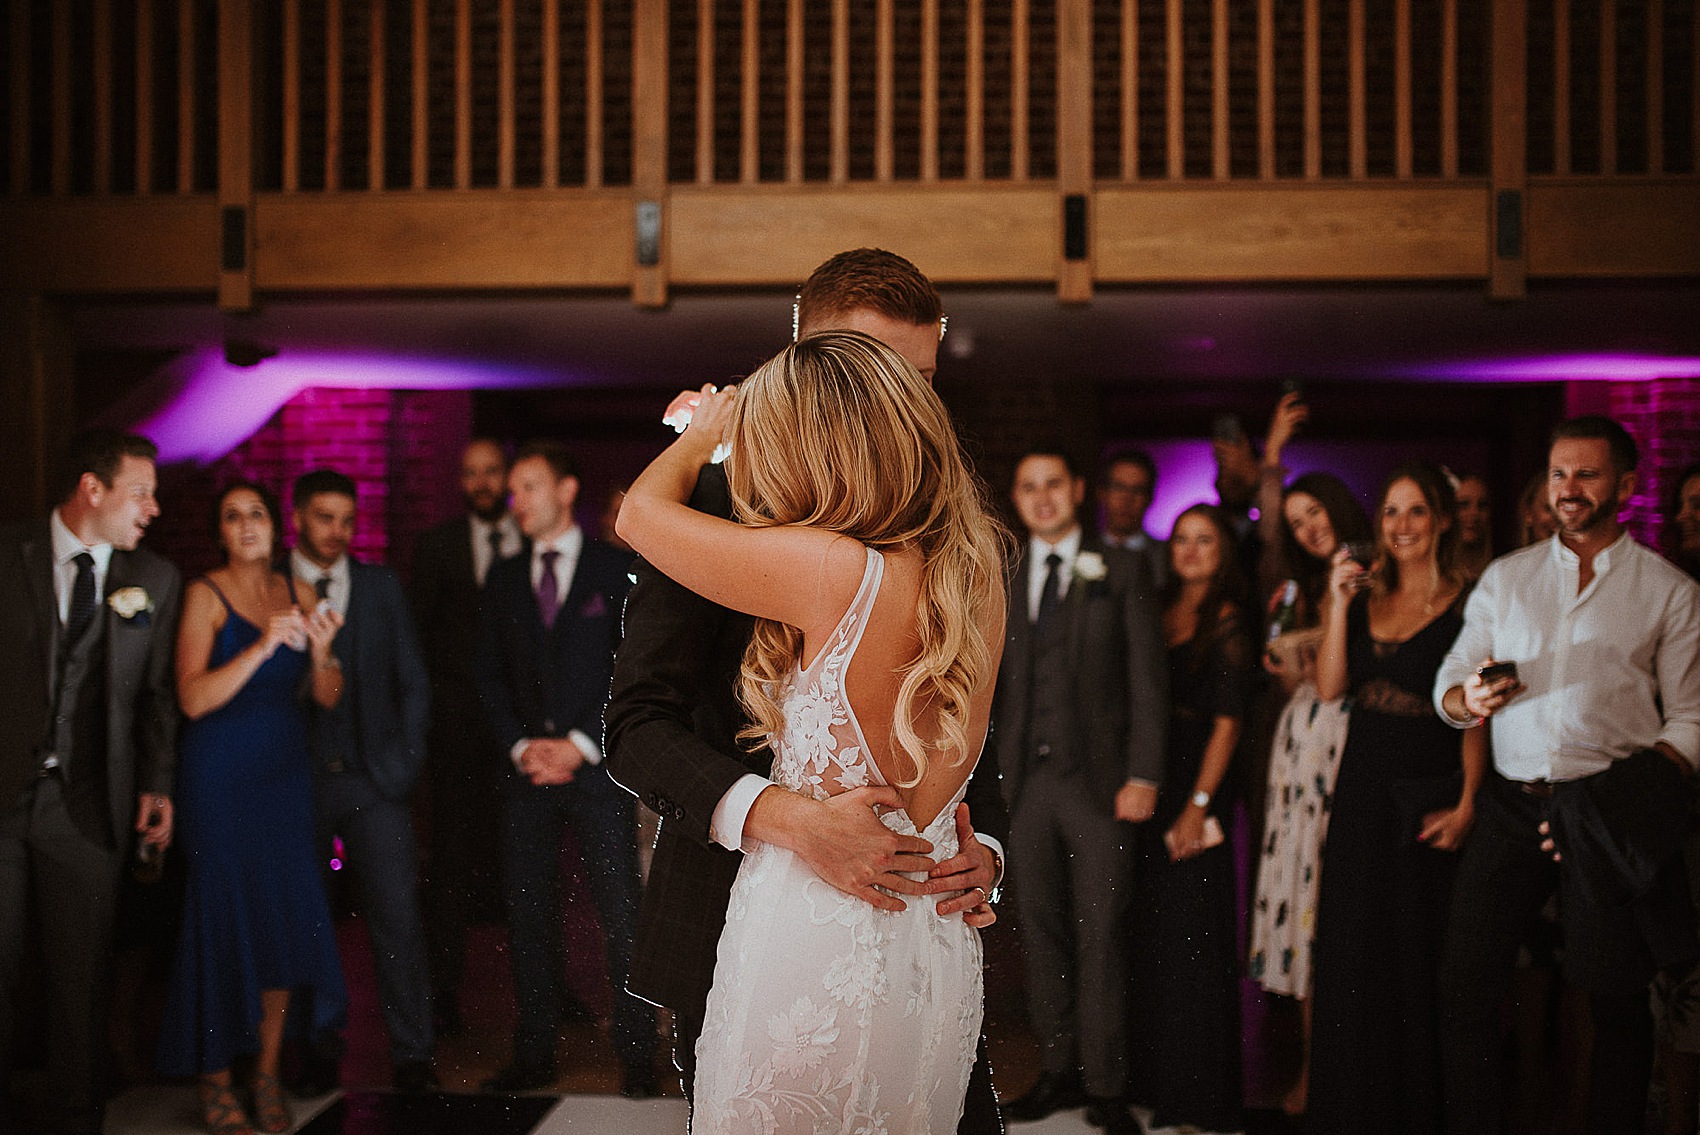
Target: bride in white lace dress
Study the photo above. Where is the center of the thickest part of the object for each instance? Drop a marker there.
(874, 568)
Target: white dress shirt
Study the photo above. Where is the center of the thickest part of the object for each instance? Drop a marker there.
(342, 580)
(66, 548)
(1037, 552)
(568, 544)
(1609, 671)
(482, 556)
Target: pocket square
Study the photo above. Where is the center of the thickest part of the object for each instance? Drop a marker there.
(594, 607)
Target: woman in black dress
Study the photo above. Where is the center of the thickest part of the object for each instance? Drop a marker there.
(1402, 807)
(1186, 1037)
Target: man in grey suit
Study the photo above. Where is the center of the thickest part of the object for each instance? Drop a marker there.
(366, 756)
(87, 752)
(1079, 723)
(1126, 482)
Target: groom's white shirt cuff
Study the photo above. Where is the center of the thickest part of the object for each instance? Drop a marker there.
(726, 826)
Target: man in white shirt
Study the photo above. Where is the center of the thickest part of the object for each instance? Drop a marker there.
(1603, 708)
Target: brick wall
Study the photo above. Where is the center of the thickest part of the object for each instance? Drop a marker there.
(401, 448)
(1663, 415)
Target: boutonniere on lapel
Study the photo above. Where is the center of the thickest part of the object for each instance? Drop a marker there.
(132, 604)
(594, 607)
(1089, 567)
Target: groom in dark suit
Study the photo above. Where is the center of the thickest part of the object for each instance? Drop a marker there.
(88, 699)
(1079, 720)
(545, 654)
(366, 756)
(674, 715)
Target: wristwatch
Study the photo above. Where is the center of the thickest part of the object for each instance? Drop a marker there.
(1201, 798)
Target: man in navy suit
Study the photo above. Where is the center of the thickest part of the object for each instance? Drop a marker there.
(545, 657)
(366, 754)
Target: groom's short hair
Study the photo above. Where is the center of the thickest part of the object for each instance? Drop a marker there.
(101, 452)
(871, 279)
(558, 457)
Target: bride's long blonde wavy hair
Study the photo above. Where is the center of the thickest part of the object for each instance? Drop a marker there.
(838, 432)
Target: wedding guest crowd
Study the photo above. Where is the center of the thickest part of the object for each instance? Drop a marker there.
(1426, 743)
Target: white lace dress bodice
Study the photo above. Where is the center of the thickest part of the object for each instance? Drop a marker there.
(827, 1014)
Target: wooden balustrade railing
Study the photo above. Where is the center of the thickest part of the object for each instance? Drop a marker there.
(654, 98)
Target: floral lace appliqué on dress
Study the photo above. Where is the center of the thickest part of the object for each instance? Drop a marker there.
(827, 1015)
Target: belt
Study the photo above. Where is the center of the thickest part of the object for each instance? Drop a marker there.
(1540, 788)
(336, 764)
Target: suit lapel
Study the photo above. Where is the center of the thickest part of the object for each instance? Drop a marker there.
(38, 571)
(578, 591)
(465, 571)
(1075, 602)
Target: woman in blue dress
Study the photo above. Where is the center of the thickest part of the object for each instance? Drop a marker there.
(256, 927)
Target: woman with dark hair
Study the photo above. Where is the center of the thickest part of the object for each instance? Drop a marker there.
(1403, 803)
(1682, 520)
(256, 928)
(1319, 514)
(1185, 973)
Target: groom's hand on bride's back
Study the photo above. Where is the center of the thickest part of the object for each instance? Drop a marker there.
(842, 840)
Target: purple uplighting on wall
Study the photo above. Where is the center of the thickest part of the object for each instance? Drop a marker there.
(1564, 368)
(217, 406)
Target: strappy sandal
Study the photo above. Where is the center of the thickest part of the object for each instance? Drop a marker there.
(220, 1110)
(271, 1114)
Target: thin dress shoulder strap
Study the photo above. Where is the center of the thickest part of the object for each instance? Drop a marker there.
(847, 634)
(208, 580)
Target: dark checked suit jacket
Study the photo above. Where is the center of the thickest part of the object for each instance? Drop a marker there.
(672, 723)
(140, 707)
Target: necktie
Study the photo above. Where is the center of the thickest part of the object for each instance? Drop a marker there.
(495, 537)
(547, 589)
(81, 612)
(322, 587)
(1050, 596)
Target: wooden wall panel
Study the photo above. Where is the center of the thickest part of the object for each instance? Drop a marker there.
(756, 237)
(1584, 228)
(470, 240)
(1217, 233)
(147, 244)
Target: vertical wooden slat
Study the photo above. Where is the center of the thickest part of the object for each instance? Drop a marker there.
(885, 68)
(1655, 86)
(1074, 142)
(420, 173)
(551, 94)
(929, 90)
(463, 94)
(505, 94)
(144, 95)
(1018, 88)
(1176, 94)
(185, 96)
(840, 91)
(1694, 96)
(1608, 87)
(375, 172)
(236, 154)
(1357, 118)
(103, 85)
(1449, 88)
(794, 92)
(593, 133)
(1130, 89)
(1313, 88)
(749, 113)
(649, 134)
(333, 95)
(1266, 89)
(1508, 164)
(705, 92)
(59, 159)
(1219, 140)
(1561, 86)
(975, 80)
(20, 78)
(291, 95)
(1402, 89)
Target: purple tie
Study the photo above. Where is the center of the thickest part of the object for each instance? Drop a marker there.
(547, 597)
